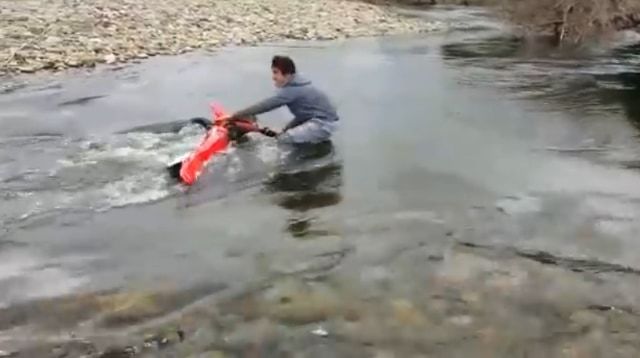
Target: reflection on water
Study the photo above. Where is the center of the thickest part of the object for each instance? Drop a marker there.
(625, 89)
(309, 178)
(496, 47)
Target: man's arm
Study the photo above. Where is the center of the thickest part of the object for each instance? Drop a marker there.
(292, 123)
(266, 105)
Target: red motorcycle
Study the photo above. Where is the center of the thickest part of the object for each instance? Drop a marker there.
(220, 134)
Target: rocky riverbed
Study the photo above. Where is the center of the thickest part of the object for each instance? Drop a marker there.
(55, 35)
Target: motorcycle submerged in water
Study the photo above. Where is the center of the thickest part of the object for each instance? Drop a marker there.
(219, 136)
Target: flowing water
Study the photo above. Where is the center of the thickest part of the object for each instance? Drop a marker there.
(480, 198)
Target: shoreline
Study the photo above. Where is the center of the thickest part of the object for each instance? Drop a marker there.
(16, 81)
(62, 36)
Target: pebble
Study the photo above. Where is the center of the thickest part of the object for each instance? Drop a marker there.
(27, 69)
(320, 332)
(110, 58)
(56, 36)
(461, 320)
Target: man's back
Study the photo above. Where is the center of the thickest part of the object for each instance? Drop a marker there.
(307, 101)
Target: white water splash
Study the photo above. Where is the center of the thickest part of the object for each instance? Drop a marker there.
(97, 174)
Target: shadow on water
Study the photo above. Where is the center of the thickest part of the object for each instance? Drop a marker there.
(80, 101)
(509, 47)
(310, 179)
(167, 127)
(626, 90)
(297, 178)
(498, 46)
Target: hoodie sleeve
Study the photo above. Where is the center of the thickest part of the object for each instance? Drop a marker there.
(282, 98)
(293, 123)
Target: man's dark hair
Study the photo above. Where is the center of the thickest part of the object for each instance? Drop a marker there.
(284, 64)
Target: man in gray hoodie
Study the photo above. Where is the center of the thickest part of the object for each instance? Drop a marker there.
(314, 116)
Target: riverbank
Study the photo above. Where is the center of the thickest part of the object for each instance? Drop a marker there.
(56, 35)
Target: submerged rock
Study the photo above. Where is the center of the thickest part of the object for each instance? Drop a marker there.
(406, 314)
(295, 303)
(126, 352)
(299, 305)
(210, 354)
(586, 319)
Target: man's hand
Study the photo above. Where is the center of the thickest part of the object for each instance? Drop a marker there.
(223, 118)
(268, 132)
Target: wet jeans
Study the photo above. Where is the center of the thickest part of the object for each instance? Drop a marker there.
(311, 131)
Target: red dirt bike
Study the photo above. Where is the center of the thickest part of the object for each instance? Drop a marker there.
(220, 134)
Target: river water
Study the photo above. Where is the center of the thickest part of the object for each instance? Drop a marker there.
(480, 198)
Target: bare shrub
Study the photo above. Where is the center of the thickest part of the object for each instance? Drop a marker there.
(572, 20)
(566, 21)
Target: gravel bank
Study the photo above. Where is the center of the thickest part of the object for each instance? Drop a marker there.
(53, 35)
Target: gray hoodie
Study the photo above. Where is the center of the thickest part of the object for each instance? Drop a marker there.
(303, 99)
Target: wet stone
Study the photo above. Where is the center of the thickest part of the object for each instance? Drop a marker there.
(298, 308)
(246, 334)
(294, 303)
(585, 318)
(156, 341)
(117, 352)
(406, 314)
(461, 320)
(74, 348)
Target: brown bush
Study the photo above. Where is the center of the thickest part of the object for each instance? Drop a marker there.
(566, 21)
(572, 20)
